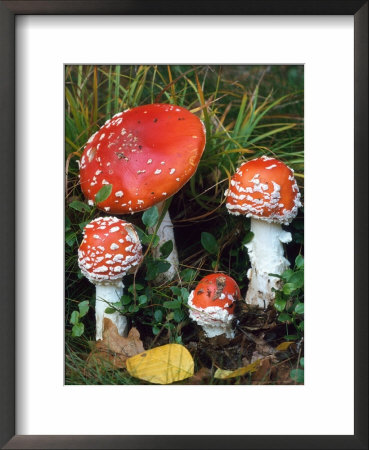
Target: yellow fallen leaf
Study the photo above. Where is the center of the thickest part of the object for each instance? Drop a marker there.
(284, 346)
(225, 374)
(162, 365)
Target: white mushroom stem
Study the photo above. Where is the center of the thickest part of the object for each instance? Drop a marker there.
(105, 294)
(214, 320)
(266, 254)
(166, 233)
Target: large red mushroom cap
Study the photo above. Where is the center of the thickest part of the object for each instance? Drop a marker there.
(212, 304)
(146, 153)
(264, 188)
(110, 248)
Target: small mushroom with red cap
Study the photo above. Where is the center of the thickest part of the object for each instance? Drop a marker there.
(265, 190)
(147, 154)
(110, 249)
(212, 303)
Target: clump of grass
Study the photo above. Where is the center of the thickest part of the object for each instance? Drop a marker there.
(248, 111)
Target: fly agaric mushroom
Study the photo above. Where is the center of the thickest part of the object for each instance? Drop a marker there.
(147, 154)
(212, 304)
(265, 190)
(110, 248)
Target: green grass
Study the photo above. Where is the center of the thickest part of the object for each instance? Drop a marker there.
(248, 111)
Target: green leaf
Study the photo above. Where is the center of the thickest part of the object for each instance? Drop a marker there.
(299, 308)
(150, 217)
(126, 299)
(297, 279)
(83, 308)
(275, 275)
(79, 206)
(83, 224)
(68, 223)
(297, 375)
(188, 274)
(155, 330)
(166, 249)
(184, 294)
(174, 304)
(176, 290)
(109, 310)
(301, 325)
(78, 329)
(299, 261)
(291, 337)
(178, 315)
(70, 238)
(209, 242)
(248, 237)
(287, 274)
(280, 304)
(103, 193)
(170, 316)
(302, 362)
(136, 286)
(142, 299)
(284, 317)
(155, 240)
(154, 267)
(143, 237)
(133, 308)
(74, 318)
(158, 315)
(288, 288)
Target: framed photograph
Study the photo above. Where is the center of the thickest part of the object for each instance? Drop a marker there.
(172, 248)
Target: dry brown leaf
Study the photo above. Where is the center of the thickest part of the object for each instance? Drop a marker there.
(263, 371)
(280, 373)
(201, 376)
(162, 365)
(114, 349)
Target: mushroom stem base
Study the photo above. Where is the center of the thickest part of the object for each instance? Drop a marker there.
(106, 294)
(266, 254)
(166, 233)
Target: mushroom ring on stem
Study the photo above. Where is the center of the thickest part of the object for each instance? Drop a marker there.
(109, 250)
(265, 190)
(147, 154)
(212, 304)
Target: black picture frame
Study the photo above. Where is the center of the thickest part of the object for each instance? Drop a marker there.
(8, 11)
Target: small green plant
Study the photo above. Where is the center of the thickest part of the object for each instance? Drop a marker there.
(289, 299)
(298, 374)
(78, 327)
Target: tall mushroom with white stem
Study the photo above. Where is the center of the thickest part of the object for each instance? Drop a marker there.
(265, 190)
(147, 154)
(109, 250)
